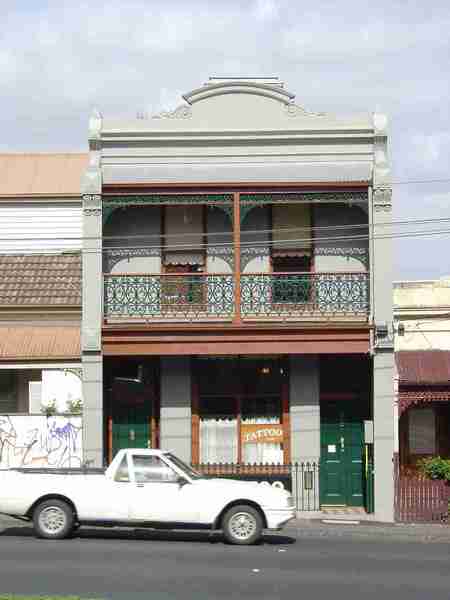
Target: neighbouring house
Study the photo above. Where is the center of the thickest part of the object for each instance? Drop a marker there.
(422, 353)
(40, 308)
(237, 307)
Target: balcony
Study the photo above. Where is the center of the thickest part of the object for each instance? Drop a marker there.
(209, 297)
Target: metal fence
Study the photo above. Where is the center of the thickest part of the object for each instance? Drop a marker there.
(420, 500)
(301, 479)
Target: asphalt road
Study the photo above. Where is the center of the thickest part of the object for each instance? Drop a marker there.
(312, 561)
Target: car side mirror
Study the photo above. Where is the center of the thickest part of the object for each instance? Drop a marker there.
(181, 481)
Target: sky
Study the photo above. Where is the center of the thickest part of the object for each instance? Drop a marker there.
(60, 60)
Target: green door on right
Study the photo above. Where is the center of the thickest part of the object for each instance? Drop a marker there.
(342, 447)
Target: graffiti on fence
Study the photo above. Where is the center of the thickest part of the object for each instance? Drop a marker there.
(40, 441)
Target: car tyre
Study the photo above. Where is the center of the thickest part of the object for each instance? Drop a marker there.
(242, 525)
(53, 520)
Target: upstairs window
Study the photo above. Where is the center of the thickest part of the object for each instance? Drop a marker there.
(291, 235)
(184, 229)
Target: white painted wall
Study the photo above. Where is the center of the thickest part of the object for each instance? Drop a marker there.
(423, 307)
(61, 386)
(40, 441)
(36, 227)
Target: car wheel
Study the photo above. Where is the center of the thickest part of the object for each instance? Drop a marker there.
(242, 525)
(53, 520)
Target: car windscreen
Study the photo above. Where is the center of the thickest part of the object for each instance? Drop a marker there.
(190, 472)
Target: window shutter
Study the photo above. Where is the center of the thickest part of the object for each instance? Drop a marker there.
(34, 396)
(422, 431)
(291, 222)
(183, 227)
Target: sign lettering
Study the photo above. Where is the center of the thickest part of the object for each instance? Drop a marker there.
(261, 434)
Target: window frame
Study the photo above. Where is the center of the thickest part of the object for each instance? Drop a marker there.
(151, 456)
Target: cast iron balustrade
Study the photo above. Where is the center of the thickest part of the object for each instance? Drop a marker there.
(188, 296)
(304, 294)
(171, 296)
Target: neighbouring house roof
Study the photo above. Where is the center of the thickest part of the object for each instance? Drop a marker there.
(30, 342)
(425, 367)
(43, 175)
(34, 280)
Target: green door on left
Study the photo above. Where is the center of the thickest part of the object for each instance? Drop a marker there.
(342, 445)
(130, 428)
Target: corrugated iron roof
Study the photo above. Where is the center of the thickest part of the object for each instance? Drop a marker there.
(41, 174)
(426, 367)
(40, 280)
(39, 342)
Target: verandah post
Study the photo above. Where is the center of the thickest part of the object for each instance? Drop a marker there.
(237, 256)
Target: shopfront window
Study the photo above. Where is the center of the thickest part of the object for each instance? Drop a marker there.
(245, 424)
(261, 430)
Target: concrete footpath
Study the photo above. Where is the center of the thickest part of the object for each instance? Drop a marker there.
(313, 528)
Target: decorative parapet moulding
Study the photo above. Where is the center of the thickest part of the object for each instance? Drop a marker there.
(181, 112)
(294, 110)
(239, 86)
(95, 125)
(382, 200)
(92, 199)
(92, 204)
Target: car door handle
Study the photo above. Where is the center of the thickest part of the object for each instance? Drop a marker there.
(140, 485)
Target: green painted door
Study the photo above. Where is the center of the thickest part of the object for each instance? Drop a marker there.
(130, 428)
(342, 445)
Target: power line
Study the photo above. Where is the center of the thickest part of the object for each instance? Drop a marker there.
(244, 232)
(254, 244)
(417, 181)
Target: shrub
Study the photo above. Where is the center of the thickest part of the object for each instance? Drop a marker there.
(75, 406)
(49, 408)
(435, 468)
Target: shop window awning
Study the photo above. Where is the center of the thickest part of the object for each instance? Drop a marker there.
(29, 342)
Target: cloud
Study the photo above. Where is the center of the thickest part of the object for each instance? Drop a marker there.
(60, 59)
(429, 149)
(266, 10)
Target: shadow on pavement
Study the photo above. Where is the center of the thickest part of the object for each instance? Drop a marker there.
(155, 535)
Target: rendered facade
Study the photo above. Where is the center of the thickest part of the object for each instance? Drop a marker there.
(237, 307)
(422, 370)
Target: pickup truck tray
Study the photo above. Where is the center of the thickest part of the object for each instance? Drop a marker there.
(59, 471)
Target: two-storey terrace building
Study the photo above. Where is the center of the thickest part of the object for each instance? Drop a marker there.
(237, 305)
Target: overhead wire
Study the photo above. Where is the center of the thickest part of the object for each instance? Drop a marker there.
(244, 232)
(255, 243)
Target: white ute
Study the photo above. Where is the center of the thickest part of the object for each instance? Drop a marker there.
(142, 488)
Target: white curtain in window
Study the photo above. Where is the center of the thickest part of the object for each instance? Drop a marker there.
(218, 440)
(262, 453)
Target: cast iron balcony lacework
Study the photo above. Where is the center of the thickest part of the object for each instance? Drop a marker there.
(211, 296)
(301, 294)
(174, 296)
